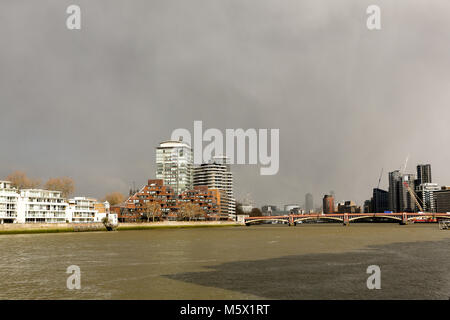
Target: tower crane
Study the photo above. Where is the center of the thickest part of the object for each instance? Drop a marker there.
(379, 180)
(411, 191)
(406, 163)
(413, 195)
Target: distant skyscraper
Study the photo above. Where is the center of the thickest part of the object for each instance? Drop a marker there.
(394, 192)
(407, 203)
(380, 201)
(423, 174)
(328, 204)
(309, 203)
(174, 164)
(400, 199)
(425, 188)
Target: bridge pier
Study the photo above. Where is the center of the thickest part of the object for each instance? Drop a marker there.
(291, 221)
(346, 221)
(404, 219)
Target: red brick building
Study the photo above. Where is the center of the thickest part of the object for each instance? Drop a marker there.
(156, 192)
(124, 214)
(206, 199)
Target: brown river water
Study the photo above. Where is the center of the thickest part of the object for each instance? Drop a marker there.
(316, 261)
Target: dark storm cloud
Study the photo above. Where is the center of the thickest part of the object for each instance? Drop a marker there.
(93, 104)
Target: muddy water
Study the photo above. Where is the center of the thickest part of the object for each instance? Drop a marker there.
(323, 261)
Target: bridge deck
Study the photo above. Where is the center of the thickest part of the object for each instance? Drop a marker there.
(403, 217)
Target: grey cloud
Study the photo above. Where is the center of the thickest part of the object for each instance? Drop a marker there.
(93, 104)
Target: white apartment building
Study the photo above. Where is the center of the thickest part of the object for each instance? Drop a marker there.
(174, 164)
(217, 175)
(81, 210)
(47, 206)
(8, 202)
(41, 206)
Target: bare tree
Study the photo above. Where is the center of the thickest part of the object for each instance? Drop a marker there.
(189, 210)
(20, 180)
(114, 198)
(151, 209)
(65, 184)
(199, 212)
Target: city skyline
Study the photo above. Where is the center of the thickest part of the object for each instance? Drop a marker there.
(240, 198)
(342, 114)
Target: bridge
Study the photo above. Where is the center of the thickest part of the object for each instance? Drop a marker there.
(346, 218)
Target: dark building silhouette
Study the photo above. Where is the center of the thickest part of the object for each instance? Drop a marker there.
(394, 193)
(442, 198)
(423, 174)
(367, 207)
(380, 201)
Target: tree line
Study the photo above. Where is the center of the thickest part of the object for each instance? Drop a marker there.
(65, 185)
(20, 180)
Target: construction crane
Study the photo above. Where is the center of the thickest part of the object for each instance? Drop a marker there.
(411, 191)
(406, 163)
(413, 195)
(379, 180)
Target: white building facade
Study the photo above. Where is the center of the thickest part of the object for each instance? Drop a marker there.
(174, 164)
(81, 210)
(8, 202)
(217, 175)
(425, 192)
(47, 206)
(41, 206)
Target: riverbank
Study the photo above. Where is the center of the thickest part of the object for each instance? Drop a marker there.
(26, 228)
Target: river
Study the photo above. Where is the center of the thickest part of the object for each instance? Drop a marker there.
(315, 261)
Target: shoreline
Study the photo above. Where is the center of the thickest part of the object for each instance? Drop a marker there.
(33, 228)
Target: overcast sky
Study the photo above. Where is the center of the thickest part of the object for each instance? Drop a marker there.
(93, 104)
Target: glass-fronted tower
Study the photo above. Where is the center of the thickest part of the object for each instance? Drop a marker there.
(174, 164)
